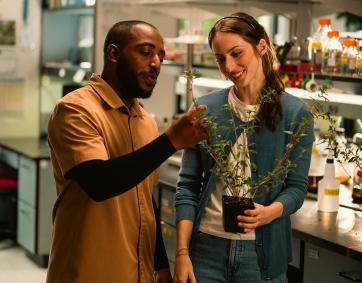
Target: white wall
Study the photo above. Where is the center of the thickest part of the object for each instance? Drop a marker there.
(108, 12)
(24, 94)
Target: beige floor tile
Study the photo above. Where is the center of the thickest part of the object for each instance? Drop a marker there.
(15, 267)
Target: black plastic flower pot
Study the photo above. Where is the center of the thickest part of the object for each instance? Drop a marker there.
(232, 207)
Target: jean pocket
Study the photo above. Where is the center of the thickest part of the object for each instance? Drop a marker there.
(201, 235)
(199, 241)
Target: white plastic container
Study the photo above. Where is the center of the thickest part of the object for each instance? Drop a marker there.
(349, 56)
(328, 188)
(319, 43)
(334, 51)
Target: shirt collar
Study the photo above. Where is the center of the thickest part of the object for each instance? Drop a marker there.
(110, 97)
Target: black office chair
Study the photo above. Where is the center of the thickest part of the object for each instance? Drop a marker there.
(8, 202)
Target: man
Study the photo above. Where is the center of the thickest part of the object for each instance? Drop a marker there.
(106, 152)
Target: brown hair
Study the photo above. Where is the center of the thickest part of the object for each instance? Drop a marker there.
(251, 31)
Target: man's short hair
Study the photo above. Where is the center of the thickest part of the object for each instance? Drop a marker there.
(121, 33)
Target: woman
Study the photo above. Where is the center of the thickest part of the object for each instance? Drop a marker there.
(205, 253)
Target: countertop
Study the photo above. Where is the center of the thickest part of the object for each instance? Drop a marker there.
(340, 231)
(33, 148)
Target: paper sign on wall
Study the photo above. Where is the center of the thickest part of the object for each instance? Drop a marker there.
(7, 47)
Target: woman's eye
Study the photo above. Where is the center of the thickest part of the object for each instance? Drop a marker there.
(219, 59)
(236, 54)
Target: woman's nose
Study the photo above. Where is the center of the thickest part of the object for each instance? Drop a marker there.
(229, 65)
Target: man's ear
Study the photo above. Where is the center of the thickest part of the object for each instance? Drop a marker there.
(262, 47)
(112, 52)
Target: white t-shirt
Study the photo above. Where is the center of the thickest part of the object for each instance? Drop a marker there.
(212, 221)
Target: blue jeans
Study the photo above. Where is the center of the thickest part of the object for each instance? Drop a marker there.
(220, 260)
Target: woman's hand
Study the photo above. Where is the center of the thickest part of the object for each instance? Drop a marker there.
(184, 271)
(260, 215)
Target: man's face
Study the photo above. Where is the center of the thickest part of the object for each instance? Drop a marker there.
(139, 63)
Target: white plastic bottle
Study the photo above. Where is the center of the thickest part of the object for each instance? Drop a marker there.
(344, 57)
(334, 51)
(352, 57)
(319, 42)
(328, 188)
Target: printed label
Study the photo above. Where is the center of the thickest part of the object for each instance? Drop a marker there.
(331, 192)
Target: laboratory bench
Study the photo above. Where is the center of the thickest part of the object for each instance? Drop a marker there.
(326, 246)
(35, 196)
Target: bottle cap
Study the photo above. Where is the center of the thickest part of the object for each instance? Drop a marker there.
(324, 21)
(333, 33)
(359, 172)
(330, 160)
(349, 42)
(340, 130)
(330, 156)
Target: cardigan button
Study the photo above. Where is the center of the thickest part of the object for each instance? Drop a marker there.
(259, 244)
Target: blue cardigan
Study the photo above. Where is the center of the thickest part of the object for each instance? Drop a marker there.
(196, 184)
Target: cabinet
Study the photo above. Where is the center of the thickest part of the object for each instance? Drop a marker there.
(36, 194)
(36, 197)
(328, 266)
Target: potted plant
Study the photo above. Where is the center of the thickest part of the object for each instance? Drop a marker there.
(231, 163)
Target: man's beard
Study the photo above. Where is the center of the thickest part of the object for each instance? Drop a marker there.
(128, 80)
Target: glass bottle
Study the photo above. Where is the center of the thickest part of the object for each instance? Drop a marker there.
(357, 175)
(357, 186)
(319, 41)
(334, 51)
(359, 60)
(328, 188)
(344, 57)
(293, 55)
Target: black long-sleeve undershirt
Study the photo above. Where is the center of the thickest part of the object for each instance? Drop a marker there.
(103, 179)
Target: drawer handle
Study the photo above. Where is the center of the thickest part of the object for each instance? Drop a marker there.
(354, 276)
(27, 167)
(25, 212)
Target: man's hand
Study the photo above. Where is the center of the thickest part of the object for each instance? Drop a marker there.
(187, 130)
(163, 276)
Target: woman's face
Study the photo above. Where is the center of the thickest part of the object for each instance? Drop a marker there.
(237, 59)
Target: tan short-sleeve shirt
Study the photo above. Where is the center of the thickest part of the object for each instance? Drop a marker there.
(111, 241)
